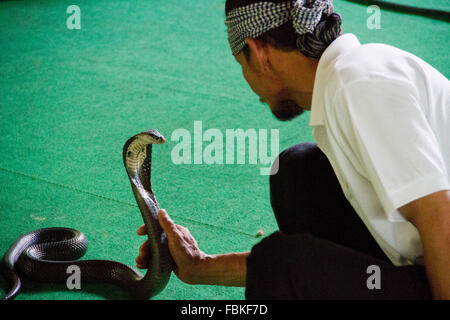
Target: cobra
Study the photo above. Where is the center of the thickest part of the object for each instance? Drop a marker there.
(45, 254)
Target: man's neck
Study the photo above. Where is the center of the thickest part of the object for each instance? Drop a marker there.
(298, 73)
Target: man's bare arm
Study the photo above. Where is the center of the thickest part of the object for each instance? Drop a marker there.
(431, 216)
(222, 269)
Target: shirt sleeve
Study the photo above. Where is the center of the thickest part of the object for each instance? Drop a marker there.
(386, 131)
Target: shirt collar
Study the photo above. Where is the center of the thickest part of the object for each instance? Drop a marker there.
(342, 44)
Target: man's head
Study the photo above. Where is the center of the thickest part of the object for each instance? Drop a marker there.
(278, 44)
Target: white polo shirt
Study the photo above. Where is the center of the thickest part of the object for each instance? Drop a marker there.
(382, 117)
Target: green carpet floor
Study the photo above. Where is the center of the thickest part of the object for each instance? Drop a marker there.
(69, 99)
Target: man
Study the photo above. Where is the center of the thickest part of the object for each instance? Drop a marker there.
(373, 193)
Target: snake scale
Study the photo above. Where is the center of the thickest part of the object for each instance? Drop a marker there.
(45, 254)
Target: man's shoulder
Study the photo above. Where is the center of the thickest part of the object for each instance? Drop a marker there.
(373, 60)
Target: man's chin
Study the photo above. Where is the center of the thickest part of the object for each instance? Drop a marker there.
(287, 110)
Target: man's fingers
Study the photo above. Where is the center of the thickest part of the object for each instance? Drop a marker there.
(166, 222)
(182, 228)
(144, 252)
(142, 231)
(140, 263)
(144, 249)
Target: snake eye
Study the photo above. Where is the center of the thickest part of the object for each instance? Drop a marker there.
(129, 154)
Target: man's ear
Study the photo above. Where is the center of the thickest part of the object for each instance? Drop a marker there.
(261, 52)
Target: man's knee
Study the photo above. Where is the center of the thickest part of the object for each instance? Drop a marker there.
(291, 161)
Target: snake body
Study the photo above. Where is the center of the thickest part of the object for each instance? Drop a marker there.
(46, 254)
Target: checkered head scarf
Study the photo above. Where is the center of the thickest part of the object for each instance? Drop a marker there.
(253, 20)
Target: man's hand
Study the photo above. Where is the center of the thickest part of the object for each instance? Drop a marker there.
(192, 265)
(182, 245)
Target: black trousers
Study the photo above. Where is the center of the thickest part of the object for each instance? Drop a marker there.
(323, 250)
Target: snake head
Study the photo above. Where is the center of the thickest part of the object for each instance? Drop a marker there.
(155, 136)
(137, 151)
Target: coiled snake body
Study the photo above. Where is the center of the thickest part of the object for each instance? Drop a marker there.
(45, 254)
